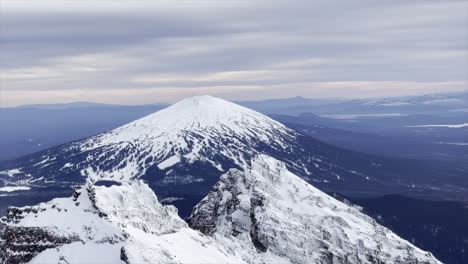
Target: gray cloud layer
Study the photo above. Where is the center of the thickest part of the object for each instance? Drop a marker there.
(158, 51)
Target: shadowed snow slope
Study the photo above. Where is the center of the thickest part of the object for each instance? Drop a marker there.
(263, 215)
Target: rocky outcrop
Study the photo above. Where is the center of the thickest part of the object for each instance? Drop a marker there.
(109, 224)
(279, 213)
(20, 244)
(30, 231)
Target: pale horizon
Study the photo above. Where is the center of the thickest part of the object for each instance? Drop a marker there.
(234, 100)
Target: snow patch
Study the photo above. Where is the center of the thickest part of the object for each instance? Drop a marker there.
(14, 188)
(169, 162)
(171, 199)
(11, 173)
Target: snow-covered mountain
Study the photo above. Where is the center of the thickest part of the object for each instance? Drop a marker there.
(196, 131)
(181, 151)
(199, 129)
(260, 214)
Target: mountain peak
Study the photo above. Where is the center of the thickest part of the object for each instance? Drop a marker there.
(201, 128)
(204, 110)
(202, 99)
(195, 113)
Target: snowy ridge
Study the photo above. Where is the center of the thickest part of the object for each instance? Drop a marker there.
(277, 212)
(263, 215)
(62, 225)
(116, 224)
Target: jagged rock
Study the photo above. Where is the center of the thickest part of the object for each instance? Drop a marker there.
(20, 244)
(279, 213)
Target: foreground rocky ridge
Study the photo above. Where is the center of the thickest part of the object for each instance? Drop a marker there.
(122, 223)
(283, 214)
(263, 214)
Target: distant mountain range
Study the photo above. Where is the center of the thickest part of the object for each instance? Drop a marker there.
(67, 105)
(438, 104)
(424, 104)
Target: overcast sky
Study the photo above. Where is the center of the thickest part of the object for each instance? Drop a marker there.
(137, 52)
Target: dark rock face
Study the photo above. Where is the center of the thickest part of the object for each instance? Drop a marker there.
(123, 256)
(255, 235)
(207, 213)
(14, 214)
(92, 198)
(21, 244)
